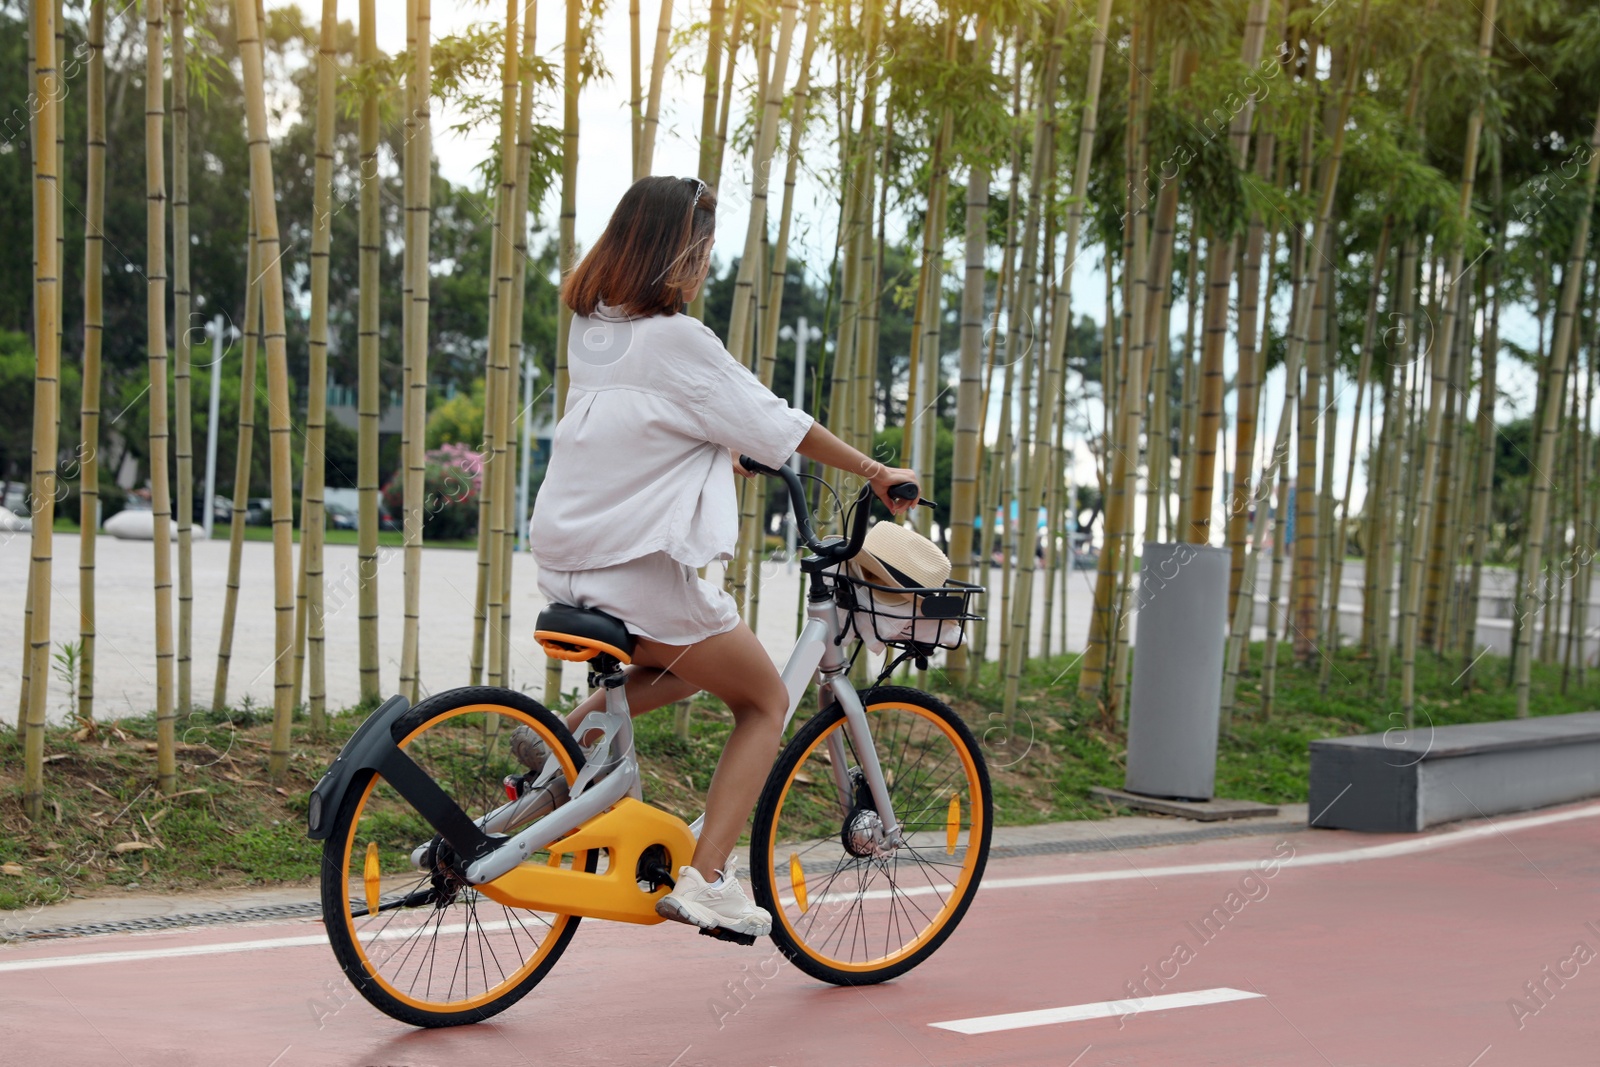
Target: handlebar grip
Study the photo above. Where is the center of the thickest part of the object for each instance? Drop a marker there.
(753, 467)
(908, 491)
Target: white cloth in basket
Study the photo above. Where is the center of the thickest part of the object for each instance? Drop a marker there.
(881, 617)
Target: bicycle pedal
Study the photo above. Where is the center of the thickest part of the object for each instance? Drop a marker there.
(722, 934)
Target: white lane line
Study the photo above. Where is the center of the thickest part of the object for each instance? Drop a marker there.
(224, 947)
(1323, 859)
(136, 955)
(1104, 1009)
(1354, 855)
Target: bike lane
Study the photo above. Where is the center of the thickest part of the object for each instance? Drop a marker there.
(1484, 950)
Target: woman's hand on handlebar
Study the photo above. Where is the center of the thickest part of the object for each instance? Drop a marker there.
(739, 468)
(885, 478)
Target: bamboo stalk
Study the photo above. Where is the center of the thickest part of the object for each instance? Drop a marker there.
(635, 96)
(417, 413)
(1279, 464)
(1189, 382)
(1327, 643)
(725, 99)
(369, 382)
(47, 346)
(24, 690)
(869, 274)
(708, 117)
(1541, 271)
(60, 104)
(156, 340)
(93, 331)
(652, 112)
(969, 395)
(1571, 285)
(183, 419)
(266, 217)
(1376, 481)
(1442, 542)
(919, 435)
(1441, 373)
(741, 318)
(567, 248)
(989, 493)
(1331, 639)
(1486, 432)
(1249, 383)
(1029, 478)
(1135, 287)
(313, 480)
(519, 229)
(1302, 615)
(242, 465)
(408, 178)
(1575, 621)
(500, 382)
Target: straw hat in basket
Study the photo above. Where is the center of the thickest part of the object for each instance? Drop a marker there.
(896, 555)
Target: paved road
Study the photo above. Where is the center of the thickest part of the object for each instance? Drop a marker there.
(1477, 946)
(126, 672)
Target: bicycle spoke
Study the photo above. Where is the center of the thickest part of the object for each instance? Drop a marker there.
(443, 951)
(863, 914)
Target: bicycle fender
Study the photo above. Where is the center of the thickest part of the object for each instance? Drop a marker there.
(366, 750)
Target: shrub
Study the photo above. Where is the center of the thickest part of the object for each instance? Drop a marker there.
(452, 482)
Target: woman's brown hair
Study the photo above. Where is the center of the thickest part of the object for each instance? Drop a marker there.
(653, 251)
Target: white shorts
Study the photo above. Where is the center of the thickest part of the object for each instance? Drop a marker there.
(655, 596)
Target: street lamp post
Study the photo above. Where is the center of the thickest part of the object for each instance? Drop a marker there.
(215, 329)
(529, 372)
(799, 333)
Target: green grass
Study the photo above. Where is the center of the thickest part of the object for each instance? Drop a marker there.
(225, 826)
(237, 830)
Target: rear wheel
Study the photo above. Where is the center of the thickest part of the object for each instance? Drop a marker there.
(419, 944)
(844, 908)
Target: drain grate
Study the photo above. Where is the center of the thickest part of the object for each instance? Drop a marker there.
(258, 913)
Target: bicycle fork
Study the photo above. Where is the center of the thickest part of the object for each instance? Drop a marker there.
(817, 655)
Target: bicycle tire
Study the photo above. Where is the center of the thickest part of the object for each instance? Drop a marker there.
(354, 932)
(777, 845)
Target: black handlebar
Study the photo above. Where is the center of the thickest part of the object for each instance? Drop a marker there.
(833, 551)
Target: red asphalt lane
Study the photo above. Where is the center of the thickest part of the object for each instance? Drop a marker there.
(1484, 953)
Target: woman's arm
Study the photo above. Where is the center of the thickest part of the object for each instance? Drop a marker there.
(821, 445)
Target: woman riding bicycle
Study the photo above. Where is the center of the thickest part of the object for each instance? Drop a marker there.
(640, 493)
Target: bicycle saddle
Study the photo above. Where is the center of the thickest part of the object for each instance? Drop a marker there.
(578, 634)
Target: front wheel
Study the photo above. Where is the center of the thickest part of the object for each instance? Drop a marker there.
(420, 944)
(845, 908)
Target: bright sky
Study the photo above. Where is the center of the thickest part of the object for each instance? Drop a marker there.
(604, 173)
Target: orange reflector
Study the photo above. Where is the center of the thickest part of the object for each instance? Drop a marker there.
(952, 824)
(797, 878)
(369, 875)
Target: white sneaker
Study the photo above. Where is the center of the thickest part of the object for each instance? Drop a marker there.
(722, 907)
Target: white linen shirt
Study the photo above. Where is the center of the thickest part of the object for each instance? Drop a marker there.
(640, 460)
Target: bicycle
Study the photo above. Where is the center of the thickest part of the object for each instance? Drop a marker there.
(445, 903)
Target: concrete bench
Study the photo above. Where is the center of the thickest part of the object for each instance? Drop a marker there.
(1405, 780)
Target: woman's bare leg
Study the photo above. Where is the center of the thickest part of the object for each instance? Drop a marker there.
(735, 668)
(648, 688)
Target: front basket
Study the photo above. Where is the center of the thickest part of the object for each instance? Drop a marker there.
(918, 620)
